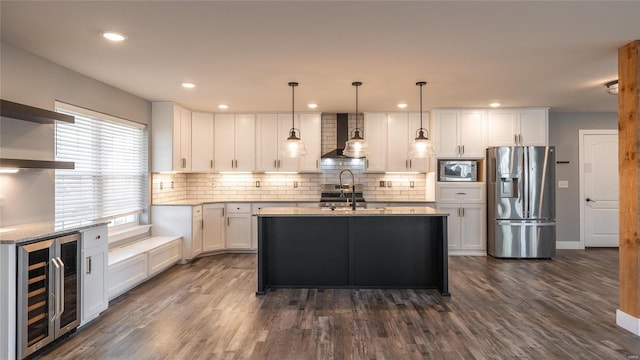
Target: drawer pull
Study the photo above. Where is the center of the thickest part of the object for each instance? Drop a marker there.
(461, 193)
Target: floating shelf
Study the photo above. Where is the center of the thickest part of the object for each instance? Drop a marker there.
(36, 164)
(33, 114)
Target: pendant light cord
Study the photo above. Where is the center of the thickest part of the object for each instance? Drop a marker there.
(293, 101)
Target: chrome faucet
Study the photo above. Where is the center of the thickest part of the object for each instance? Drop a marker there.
(353, 188)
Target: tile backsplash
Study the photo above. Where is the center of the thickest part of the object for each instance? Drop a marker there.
(289, 187)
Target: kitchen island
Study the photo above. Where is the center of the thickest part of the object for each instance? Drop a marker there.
(398, 247)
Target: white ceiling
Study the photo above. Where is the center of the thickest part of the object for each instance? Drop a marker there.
(242, 53)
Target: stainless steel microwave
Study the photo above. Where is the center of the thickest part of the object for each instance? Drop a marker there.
(458, 170)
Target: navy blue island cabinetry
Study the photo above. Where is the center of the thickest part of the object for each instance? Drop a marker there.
(371, 248)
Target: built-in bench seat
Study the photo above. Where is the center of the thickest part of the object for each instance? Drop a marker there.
(138, 261)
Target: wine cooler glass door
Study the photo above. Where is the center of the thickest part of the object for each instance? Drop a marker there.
(36, 296)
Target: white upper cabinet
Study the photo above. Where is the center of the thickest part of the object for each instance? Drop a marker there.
(171, 137)
(310, 132)
(509, 127)
(375, 133)
(459, 133)
(235, 142)
(401, 130)
(271, 132)
(202, 151)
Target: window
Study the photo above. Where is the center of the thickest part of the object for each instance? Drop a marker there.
(109, 182)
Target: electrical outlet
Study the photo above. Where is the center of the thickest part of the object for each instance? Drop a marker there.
(161, 185)
(258, 184)
(389, 184)
(295, 184)
(382, 183)
(213, 184)
(412, 184)
(172, 183)
(563, 184)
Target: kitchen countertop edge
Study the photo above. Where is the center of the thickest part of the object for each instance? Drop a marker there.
(308, 212)
(196, 202)
(39, 231)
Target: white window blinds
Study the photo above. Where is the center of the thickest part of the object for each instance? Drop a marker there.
(110, 176)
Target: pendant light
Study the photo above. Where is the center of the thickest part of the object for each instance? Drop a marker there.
(356, 147)
(293, 147)
(421, 147)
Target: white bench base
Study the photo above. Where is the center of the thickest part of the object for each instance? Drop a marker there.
(135, 263)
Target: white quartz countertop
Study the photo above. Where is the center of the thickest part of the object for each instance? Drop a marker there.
(314, 211)
(22, 233)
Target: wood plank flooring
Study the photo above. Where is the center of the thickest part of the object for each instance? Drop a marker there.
(499, 309)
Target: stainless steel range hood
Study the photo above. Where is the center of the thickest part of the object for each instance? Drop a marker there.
(342, 135)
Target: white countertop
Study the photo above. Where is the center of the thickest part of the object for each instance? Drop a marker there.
(314, 211)
(33, 231)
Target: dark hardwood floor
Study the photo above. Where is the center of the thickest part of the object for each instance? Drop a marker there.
(499, 309)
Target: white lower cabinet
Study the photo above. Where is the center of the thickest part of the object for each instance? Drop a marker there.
(179, 220)
(466, 205)
(213, 217)
(95, 252)
(466, 228)
(238, 229)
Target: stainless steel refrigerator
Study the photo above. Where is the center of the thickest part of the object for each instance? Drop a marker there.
(521, 202)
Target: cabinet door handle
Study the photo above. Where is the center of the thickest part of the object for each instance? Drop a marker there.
(515, 139)
(275, 164)
(410, 164)
(232, 164)
(458, 212)
(461, 193)
(317, 162)
(520, 139)
(463, 149)
(222, 212)
(211, 164)
(227, 221)
(184, 162)
(88, 264)
(278, 164)
(367, 163)
(462, 212)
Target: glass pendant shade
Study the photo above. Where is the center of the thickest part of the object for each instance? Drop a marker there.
(356, 147)
(293, 147)
(421, 147)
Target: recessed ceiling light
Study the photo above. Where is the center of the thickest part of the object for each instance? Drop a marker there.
(402, 105)
(114, 36)
(223, 106)
(188, 85)
(495, 104)
(312, 106)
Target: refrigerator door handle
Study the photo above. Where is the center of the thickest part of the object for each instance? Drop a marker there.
(526, 223)
(525, 188)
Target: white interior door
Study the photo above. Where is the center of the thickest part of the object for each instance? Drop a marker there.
(599, 162)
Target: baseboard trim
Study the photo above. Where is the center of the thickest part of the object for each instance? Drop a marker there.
(628, 322)
(569, 245)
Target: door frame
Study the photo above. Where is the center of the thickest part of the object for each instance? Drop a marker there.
(581, 134)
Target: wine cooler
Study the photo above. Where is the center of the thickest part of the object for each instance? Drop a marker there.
(48, 292)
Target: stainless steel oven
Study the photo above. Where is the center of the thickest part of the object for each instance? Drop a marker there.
(48, 292)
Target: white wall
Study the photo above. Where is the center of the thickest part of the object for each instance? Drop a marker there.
(563, 134)
(28, 79)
